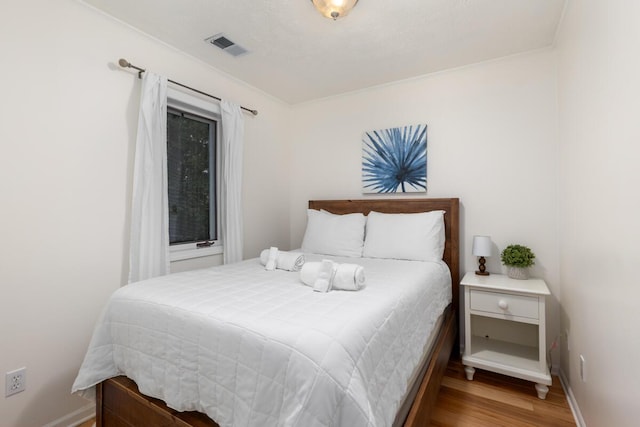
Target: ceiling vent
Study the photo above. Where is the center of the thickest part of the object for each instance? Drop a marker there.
(221, 41)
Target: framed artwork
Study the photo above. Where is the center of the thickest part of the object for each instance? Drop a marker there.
(395, 160)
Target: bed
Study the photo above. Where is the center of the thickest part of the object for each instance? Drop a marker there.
(342, 369)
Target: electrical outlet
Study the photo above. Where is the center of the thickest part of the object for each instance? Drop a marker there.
(15, 381)
(583, 368)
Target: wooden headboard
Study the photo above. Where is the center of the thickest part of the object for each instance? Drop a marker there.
(451, 221)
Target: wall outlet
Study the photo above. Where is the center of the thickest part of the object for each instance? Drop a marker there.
(583, 368)
(15, 381)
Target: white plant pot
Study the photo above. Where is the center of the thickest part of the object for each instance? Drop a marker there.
(519, 273)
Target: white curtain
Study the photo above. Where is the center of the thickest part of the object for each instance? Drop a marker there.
(149, 244)
(231, 188)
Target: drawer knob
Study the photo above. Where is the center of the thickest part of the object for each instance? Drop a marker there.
(503, 304)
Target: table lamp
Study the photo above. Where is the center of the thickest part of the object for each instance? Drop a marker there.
(481, 248)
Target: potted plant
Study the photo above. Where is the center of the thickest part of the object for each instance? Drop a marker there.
(518, 259)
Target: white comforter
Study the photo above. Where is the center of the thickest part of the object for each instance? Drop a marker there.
(251, 347)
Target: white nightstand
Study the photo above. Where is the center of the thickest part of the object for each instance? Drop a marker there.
(504, 323)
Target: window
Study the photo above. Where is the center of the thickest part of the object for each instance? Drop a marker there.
(192, 164)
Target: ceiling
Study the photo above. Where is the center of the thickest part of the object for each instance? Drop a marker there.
(296, 55)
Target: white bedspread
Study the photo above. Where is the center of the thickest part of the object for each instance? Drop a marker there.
(250, 347)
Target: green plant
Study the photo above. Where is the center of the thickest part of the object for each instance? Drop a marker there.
(517, 256)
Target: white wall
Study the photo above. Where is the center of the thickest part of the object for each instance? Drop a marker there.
(599, 82)
(68, 119)
(492, 142)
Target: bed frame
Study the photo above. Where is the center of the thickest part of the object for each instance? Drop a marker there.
(120, 404)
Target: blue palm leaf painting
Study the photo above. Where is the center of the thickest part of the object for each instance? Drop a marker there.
(395, 160)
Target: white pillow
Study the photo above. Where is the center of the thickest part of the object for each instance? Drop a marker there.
(417, 236)
(331, 234)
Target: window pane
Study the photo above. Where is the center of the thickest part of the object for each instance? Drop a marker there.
(190, 151)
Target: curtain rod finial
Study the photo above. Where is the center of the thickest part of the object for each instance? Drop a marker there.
(123, 63)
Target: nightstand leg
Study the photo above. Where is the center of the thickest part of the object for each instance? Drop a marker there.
(542, 391)
(470, 370)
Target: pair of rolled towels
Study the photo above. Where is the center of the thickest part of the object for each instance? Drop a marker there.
(327, 275)
(321, 276)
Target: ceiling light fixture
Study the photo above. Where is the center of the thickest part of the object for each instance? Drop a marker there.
(334, 8)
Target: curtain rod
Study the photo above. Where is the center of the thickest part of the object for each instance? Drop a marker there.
(126, 64)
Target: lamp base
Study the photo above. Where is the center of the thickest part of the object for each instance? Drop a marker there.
(481, 267)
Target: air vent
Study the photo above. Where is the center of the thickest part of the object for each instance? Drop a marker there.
(221, 41)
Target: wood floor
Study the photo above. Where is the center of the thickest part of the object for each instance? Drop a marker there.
(497, 400)
(494, 400)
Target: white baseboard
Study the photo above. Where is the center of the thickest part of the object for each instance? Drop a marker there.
(76, 417)
(573, 404)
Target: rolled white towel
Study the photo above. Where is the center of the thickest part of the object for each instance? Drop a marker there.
(345, 277)
(290, 261)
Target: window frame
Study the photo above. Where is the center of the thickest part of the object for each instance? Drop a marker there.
(190, 104)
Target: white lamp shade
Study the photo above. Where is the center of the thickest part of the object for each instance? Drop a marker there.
(481, 246)
(334, 8)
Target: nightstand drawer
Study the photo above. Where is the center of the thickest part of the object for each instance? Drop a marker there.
(506, 304)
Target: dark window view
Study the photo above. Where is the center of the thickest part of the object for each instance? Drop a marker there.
(191, 167)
